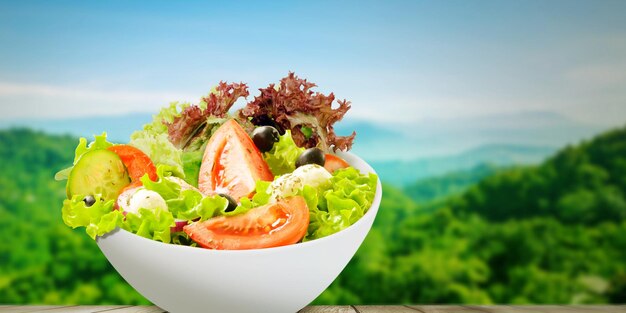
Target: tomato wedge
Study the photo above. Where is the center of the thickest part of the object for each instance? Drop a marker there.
(232, 163)
(334, 163)
(275, 224)
(137, 163)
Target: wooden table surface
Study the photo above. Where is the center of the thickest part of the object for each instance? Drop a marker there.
(340, 309)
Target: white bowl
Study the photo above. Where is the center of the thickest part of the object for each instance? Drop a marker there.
(282, 279)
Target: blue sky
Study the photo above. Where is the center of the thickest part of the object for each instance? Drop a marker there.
(396, 60)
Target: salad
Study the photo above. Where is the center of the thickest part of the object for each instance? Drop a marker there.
(263, 176)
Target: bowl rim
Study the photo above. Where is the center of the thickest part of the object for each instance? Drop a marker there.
(375, 205)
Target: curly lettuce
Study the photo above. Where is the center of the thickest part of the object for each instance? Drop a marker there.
(190, 204)
(191, 129)
(282, 157)
(98, 219)
(159, 149)
(152, 224)
(293, 105)
(340, 204)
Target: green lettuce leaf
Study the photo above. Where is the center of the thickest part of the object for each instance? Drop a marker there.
(163, 186)
(99, 144)
(192, 160)
(151, 224)
(167, 115)
(340, 204)
(159, 149)
(282, 158)
(192, 205)
(181, 238)
(261, 197)
(98, 219)
(153, 139)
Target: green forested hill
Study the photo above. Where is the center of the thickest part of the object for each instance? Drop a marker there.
(431, 188)
(42, 260)
(581, 184)
(552, 233)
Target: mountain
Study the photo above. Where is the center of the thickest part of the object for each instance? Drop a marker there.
(548, 233)
(118, 127)
(551, 233)
(579, 184)
(405, 172)
(401, 153)
(452, 183)
(44, 261)
(431, 137)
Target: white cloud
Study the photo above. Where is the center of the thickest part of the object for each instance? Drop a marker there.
(598, 75)
(19, 100)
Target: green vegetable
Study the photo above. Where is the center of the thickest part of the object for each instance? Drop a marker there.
(159, 149)
(98, 172)
(191, 165)
(100, 143)
(340, 204)
(166, 188)
(167, 114)
(153, 139)
(98, 218)
(191, 204)
(261, 197)
(282, 158)
(151, 224)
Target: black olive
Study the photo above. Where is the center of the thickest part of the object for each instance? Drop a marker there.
(89, 200)
(232, 204)
(311, 156)
(264, 137)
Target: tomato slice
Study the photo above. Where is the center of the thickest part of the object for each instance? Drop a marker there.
(275, 224)
(334, 163)
(137, 163)
(232, 163)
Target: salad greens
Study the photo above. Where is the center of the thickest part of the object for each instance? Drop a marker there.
(345, 201)
(175, 142)
(98, 219)
(282, 158)
(153, 139)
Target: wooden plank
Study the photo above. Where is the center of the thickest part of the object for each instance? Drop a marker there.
(552, 309)
(445, 309)
(328, 309)
(549, 308)
(82, 308)
(384, 309)
(599, 308)
(87, 309)
(30, 308)
(138, 309)
(62, 309)
(510, 309)
(341, 309)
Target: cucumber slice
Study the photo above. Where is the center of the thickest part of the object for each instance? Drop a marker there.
(98, 172)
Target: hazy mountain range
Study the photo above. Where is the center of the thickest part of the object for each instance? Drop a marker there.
(400, 152)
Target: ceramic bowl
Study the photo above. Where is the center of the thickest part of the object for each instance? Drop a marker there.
(282, 279)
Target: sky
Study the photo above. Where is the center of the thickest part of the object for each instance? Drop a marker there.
(402, 61)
